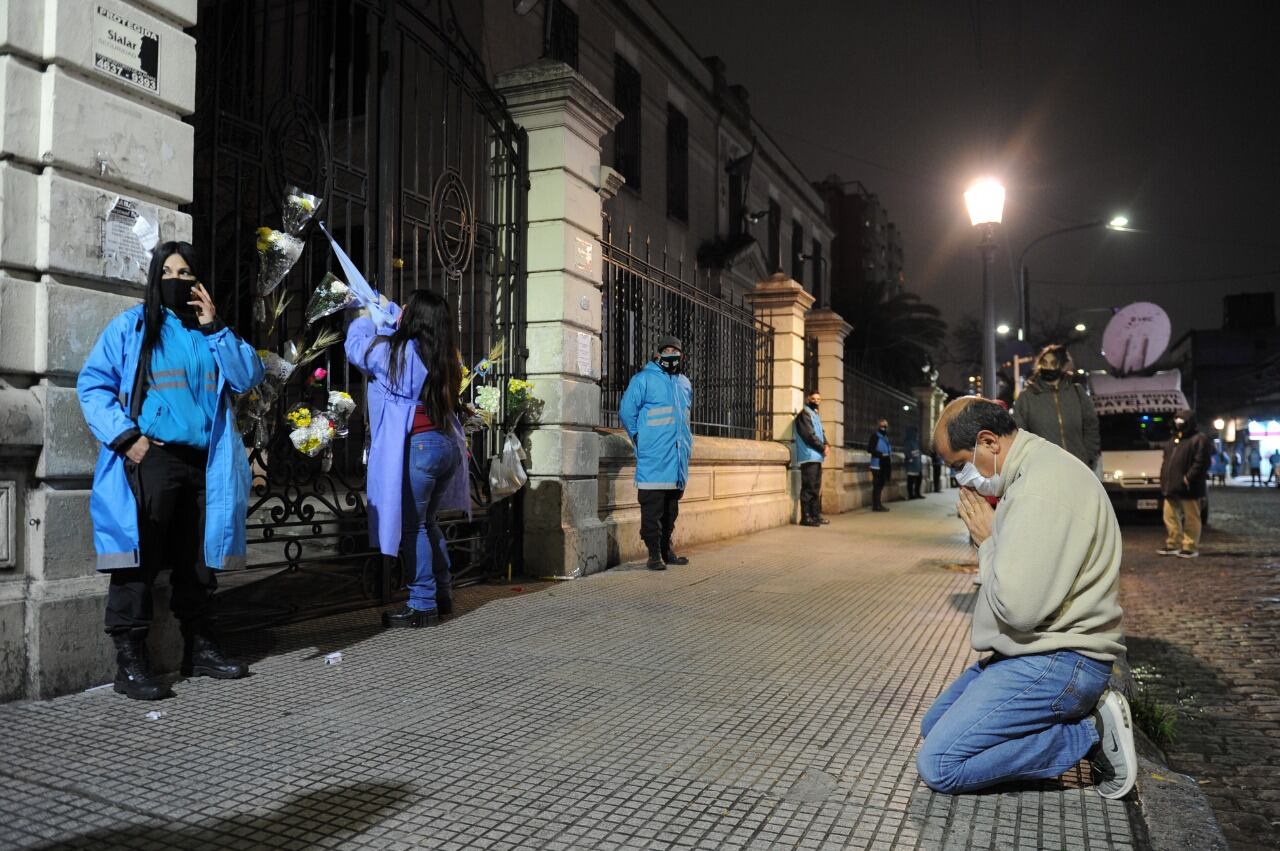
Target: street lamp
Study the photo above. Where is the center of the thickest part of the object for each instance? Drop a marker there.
(1081, 327)
(1002, 329)
(985, 200)
(1120, 223)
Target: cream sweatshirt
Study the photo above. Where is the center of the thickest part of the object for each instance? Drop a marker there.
(1050, 572)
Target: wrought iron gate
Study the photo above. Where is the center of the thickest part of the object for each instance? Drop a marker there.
(383, 109)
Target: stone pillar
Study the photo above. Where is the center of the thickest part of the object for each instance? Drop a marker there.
(830, 330)
(932, 399)
(781, 303)
(565, 118)
(87, 149)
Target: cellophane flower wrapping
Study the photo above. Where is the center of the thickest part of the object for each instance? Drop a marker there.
(314, 437)
(298, 209)
(277, 367)
(277, 252)
(330, 296)
(341, 406)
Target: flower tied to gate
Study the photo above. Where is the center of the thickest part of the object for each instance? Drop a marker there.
(299, 417)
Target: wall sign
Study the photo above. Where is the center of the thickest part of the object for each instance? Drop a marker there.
(126, 49)
(127, 239)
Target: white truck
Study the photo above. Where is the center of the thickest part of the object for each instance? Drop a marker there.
(1135, 418)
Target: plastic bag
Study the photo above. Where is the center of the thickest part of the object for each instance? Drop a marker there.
(506, 472)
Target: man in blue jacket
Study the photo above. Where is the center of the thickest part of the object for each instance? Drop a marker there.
(811, 448)
(655, 411)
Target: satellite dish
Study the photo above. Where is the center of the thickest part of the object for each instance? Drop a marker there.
(1136, 337)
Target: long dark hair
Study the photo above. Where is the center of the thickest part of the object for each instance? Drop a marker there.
(153, 309)
(427, 320)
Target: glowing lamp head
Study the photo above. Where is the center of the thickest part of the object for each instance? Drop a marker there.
(985, 200)
(1118, 223)
(1002, 329)
(1080, 326)
(1219, 424)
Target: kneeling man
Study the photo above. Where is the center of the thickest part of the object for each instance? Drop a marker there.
(1046, 609)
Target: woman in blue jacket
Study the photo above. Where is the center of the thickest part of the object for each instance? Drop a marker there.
(417, 454)
(171, 484)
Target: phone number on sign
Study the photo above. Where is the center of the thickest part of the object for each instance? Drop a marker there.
(133, 75)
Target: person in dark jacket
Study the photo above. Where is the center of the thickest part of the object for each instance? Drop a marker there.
(1182, 481)
(171, 484)
(1058, 409)
(811, 449)
(881, 452)
(656, 412)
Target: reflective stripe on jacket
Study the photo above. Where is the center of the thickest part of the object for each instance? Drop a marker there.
(655, 412)
(105, 388)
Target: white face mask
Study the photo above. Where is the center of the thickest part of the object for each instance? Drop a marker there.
(969, 477)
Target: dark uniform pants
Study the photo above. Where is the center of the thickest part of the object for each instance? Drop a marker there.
(169, 486)
(879, 478)
(658, 512)
(811, 490)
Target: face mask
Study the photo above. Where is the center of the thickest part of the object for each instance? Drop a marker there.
(813, 405)
(969, 477)
(669, 363)
(1050, 374)
(882, 430)
(174, 294)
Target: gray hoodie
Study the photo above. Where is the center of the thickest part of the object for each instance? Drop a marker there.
(1063, 415)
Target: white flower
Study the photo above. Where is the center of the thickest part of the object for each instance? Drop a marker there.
(340, 402)
(338, 288)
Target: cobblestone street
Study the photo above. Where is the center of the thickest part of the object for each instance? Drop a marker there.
(766, 696)
(1204, 635)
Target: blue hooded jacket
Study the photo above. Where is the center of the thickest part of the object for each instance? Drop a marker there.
(105, 387)
(656, 411)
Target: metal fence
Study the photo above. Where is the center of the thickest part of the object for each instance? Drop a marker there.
(728, 352)
(868, 400)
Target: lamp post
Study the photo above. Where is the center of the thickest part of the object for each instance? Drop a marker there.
(1024, 284)
(985, 200)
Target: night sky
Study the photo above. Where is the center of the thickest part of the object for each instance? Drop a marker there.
(1165, 112)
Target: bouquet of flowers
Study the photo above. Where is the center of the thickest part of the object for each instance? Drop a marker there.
(299, 208)
(278, 368)
(341, 405)
(485, 366)
(520, 402)
(277, 252)
(329, 297)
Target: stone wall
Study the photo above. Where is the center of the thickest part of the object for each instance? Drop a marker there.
(735, 487)
(91, 101)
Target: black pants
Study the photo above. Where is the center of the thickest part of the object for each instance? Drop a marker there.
(810, 490)
(169, 488)
(914, 480)
(658, 512)
(879, 478)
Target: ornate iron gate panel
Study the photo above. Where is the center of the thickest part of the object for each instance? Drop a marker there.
(382, 108)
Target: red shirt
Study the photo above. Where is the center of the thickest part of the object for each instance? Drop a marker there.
(421, 421)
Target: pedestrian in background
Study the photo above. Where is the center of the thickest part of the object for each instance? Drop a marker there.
(881, 452)
(811, 449)
(1046, 608)
(1255, 464)
(1274, 460)
(1058, 409)
(914, 462)
(171, 483)
(417, 454)
(656, 412)
(1182, 481)
(1218, 466)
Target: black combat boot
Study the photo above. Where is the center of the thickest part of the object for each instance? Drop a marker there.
(655, 559)
(201, 657)
(134, 678)
(409, 618)
(669, 555)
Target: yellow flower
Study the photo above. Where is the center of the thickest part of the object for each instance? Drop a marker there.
(310, 445)
(301, 418)
(264, 238)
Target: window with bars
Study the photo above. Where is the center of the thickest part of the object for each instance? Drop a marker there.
(815, 257)
(562, 41)
(626, 136)
(677, 164)
(797, 250)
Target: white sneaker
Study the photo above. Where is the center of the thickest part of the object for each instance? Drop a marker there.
(1115, 759)
(1167, 551)
(1188, 554)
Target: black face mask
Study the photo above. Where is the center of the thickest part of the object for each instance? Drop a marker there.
(882, 430)
(1050, 374)
(174, 294)
(813, 405)
(669, 363)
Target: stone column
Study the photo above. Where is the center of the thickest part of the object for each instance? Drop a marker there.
(932, 399)
(565, 118)
(781, 303)
(85, 153)
(830, 330)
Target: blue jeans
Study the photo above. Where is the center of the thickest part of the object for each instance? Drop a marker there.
(430, 462)
(1011, 718)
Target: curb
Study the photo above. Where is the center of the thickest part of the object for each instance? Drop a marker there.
(1168, 809)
